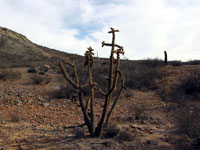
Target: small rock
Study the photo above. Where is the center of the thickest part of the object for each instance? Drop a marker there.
(18, 103)
(152, 142)
(45, 104)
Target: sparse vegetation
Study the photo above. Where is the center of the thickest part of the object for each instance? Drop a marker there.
(175, 63)
(188, 89)
(64, 92)
(9, 74)
(141, 77)
(112, 131)
(40, 79)
(188, 120)
(32, 70)
(125, 136)
(43, 117)
(14, 116)
(79, 133)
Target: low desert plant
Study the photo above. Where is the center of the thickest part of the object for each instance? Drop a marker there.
(79, 133)
(188, 120)
(152, 63)
(40, 79)
(125, 136)
(64, 92)
(32, 70)
(112, 131)
(191, 85)
(14, 116)
(187, 89)
(176, 63)
(193, 62)
(141, 77)
(9, 74)
(127, 93)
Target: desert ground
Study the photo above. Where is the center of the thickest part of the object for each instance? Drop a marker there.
(33, 117)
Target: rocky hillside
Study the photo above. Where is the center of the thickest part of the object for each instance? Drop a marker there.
(17, 51)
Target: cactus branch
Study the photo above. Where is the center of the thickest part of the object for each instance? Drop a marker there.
(113, 79)
(75, 85)
(115, 101)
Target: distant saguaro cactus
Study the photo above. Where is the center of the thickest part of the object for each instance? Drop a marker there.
(114, 74)
(165, 53)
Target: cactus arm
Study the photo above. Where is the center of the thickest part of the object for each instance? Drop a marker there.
(87, 103)
(92, 116)
(89, 63)
(67, 77)
(101, 91)
(80, 94)
(99, 88)
(111, 84)
(75, 71)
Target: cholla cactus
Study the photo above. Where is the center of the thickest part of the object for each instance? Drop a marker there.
(113, 77)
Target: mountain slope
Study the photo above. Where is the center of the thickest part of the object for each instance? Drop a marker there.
(17, 51)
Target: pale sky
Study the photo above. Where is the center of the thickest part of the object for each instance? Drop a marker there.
(147, 27)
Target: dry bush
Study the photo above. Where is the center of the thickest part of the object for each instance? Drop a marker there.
(188, 89)
(112, 131)
(80, 133)
(32, 70)
(152, 63)
(9, 74)
(14, 116)
(64, 92)
(127, 93)
(191, 86)
(143, 78)
(188, 120)
(125, 136)
(175, 63)
(142, 74)
(193, 62)
(40, 79)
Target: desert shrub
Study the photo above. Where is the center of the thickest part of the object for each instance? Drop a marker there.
(188, 89)
(140, 112)
(191, 86)
(175, 63)
(9, 74)
(142, 74)
(141, 77)
(32, 70)
(153, 63)
(40, 79)
(125, 136)
(64, 92)
(79, 133)
(188, 120)
(14, 116)
(193, 62)
(112, 131)
(41, 72)
(127, 93)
